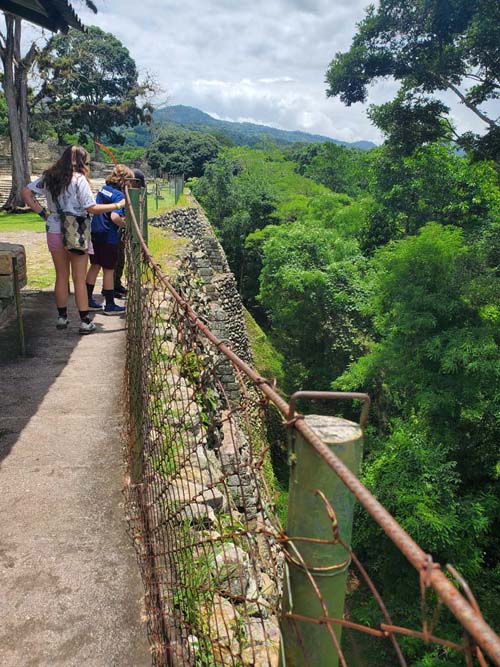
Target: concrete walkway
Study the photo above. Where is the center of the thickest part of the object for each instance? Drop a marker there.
(70, 589)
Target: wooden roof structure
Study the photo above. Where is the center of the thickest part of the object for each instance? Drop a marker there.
(51, 14)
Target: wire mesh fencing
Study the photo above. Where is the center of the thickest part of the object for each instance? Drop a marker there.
(217, 563)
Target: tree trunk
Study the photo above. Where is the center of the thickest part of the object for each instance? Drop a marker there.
(97, 151)
(15, 85)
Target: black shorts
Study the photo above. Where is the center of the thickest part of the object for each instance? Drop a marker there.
(105, 255)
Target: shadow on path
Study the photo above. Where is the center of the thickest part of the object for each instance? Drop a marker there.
(70, 588)
(24, 381)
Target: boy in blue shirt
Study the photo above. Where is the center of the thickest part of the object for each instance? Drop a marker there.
(106, 238)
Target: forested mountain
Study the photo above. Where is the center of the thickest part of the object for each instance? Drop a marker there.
(240, 134)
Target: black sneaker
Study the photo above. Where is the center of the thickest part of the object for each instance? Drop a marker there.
(121, 292)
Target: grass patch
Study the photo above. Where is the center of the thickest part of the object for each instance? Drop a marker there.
(268, 361)
(28, 229)
(165, 250)
(166, 203)
(21, 222)
(41, 274)
(183, 201)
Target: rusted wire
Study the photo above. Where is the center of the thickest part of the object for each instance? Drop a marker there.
(184, 424)
(420, 635)
(337, 539)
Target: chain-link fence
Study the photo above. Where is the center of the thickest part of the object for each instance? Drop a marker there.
(225, 584)
(163, 188)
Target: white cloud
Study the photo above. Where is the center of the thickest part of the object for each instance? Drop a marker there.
(278, 79)
(264, 60)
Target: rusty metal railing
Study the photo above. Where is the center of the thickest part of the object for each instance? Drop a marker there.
(201, 499)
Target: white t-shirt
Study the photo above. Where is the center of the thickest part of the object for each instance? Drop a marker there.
(75, 199)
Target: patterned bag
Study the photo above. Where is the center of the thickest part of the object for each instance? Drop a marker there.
(75, 230)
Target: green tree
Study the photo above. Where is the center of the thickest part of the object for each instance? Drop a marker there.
(312, 287)
(410, 122)
(179, 151)
(437, 347)
(339, 168)
(432, 184)
(90, 85)
(429, 46)
(254, 212)
(246, 190)
(238, 203)
(432, 369)
(216, 189)
(302, 154)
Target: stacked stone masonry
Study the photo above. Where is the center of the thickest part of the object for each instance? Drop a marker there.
(7, 294)
(41, 155)
(218, 477)
(206, 263)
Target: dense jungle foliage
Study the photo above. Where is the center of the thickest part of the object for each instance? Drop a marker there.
(379, 271)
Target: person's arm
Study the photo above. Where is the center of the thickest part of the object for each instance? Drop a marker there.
(31, 201)
(105, 208)
(118, 219)
(87, 199)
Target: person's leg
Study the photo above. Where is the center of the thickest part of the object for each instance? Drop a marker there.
(91, 278)
(92, 274)
(61, 287)
(61, 264)
(108, 260)
(107, 278)
(110, 307)
(79, 273)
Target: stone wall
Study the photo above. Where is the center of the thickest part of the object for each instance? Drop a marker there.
(218, 299)
(41, 154)
(7, 294)
(219, 476)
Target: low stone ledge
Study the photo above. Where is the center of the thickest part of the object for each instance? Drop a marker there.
(7, 293)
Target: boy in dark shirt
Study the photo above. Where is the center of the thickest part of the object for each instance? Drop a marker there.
(105, 240)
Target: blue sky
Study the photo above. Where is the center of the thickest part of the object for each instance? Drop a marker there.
(262, 61)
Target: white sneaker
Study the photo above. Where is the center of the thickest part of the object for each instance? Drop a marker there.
(86, 327)
(62, 322)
